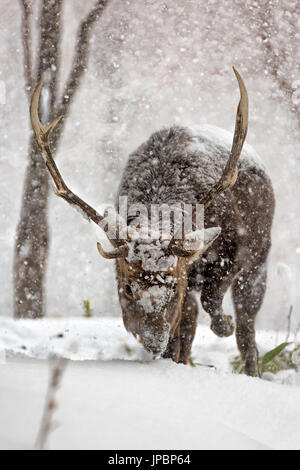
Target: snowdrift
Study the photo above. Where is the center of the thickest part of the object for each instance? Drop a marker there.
(115, 396)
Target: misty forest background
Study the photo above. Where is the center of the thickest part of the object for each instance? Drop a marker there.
(153, 63)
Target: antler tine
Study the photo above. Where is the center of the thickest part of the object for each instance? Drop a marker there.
(42, 134)
(230, 174)
(116, 254)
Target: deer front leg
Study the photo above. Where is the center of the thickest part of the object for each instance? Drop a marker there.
(179, 347)
(173, 348)
(188, 327)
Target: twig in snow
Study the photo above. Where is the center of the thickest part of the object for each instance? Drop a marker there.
(297, 332)
(289, 323)
(46, 425)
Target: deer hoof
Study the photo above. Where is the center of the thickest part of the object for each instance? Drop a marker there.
(251, 364)
(222, 326)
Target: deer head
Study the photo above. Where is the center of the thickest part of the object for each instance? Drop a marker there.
(152, 273)
(152, 280)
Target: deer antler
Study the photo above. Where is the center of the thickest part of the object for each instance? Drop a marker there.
(230, 173)
(42, 134)
(117, 253)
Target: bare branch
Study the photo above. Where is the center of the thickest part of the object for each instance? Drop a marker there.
(49, 49)
(27, 44)
(81, 56)
(275, 56)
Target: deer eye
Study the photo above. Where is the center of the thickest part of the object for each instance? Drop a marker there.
(128, 290)
(174, 287)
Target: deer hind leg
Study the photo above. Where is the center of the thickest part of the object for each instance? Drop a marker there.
(179, 348)
(188, 327)
(248, 293)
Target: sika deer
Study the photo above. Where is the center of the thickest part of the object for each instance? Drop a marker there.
(159, 276)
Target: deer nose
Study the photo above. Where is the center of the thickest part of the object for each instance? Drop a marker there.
(155, 341)
(155, 350)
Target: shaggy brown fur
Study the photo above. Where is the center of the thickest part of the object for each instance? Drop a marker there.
(181, 164)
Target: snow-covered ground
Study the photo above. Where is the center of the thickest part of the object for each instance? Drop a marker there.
(114, 396)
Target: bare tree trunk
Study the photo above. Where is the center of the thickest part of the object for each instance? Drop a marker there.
(32, 237)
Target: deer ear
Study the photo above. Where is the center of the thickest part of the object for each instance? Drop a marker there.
(201, 239)
(196, 243)
(210, 235)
